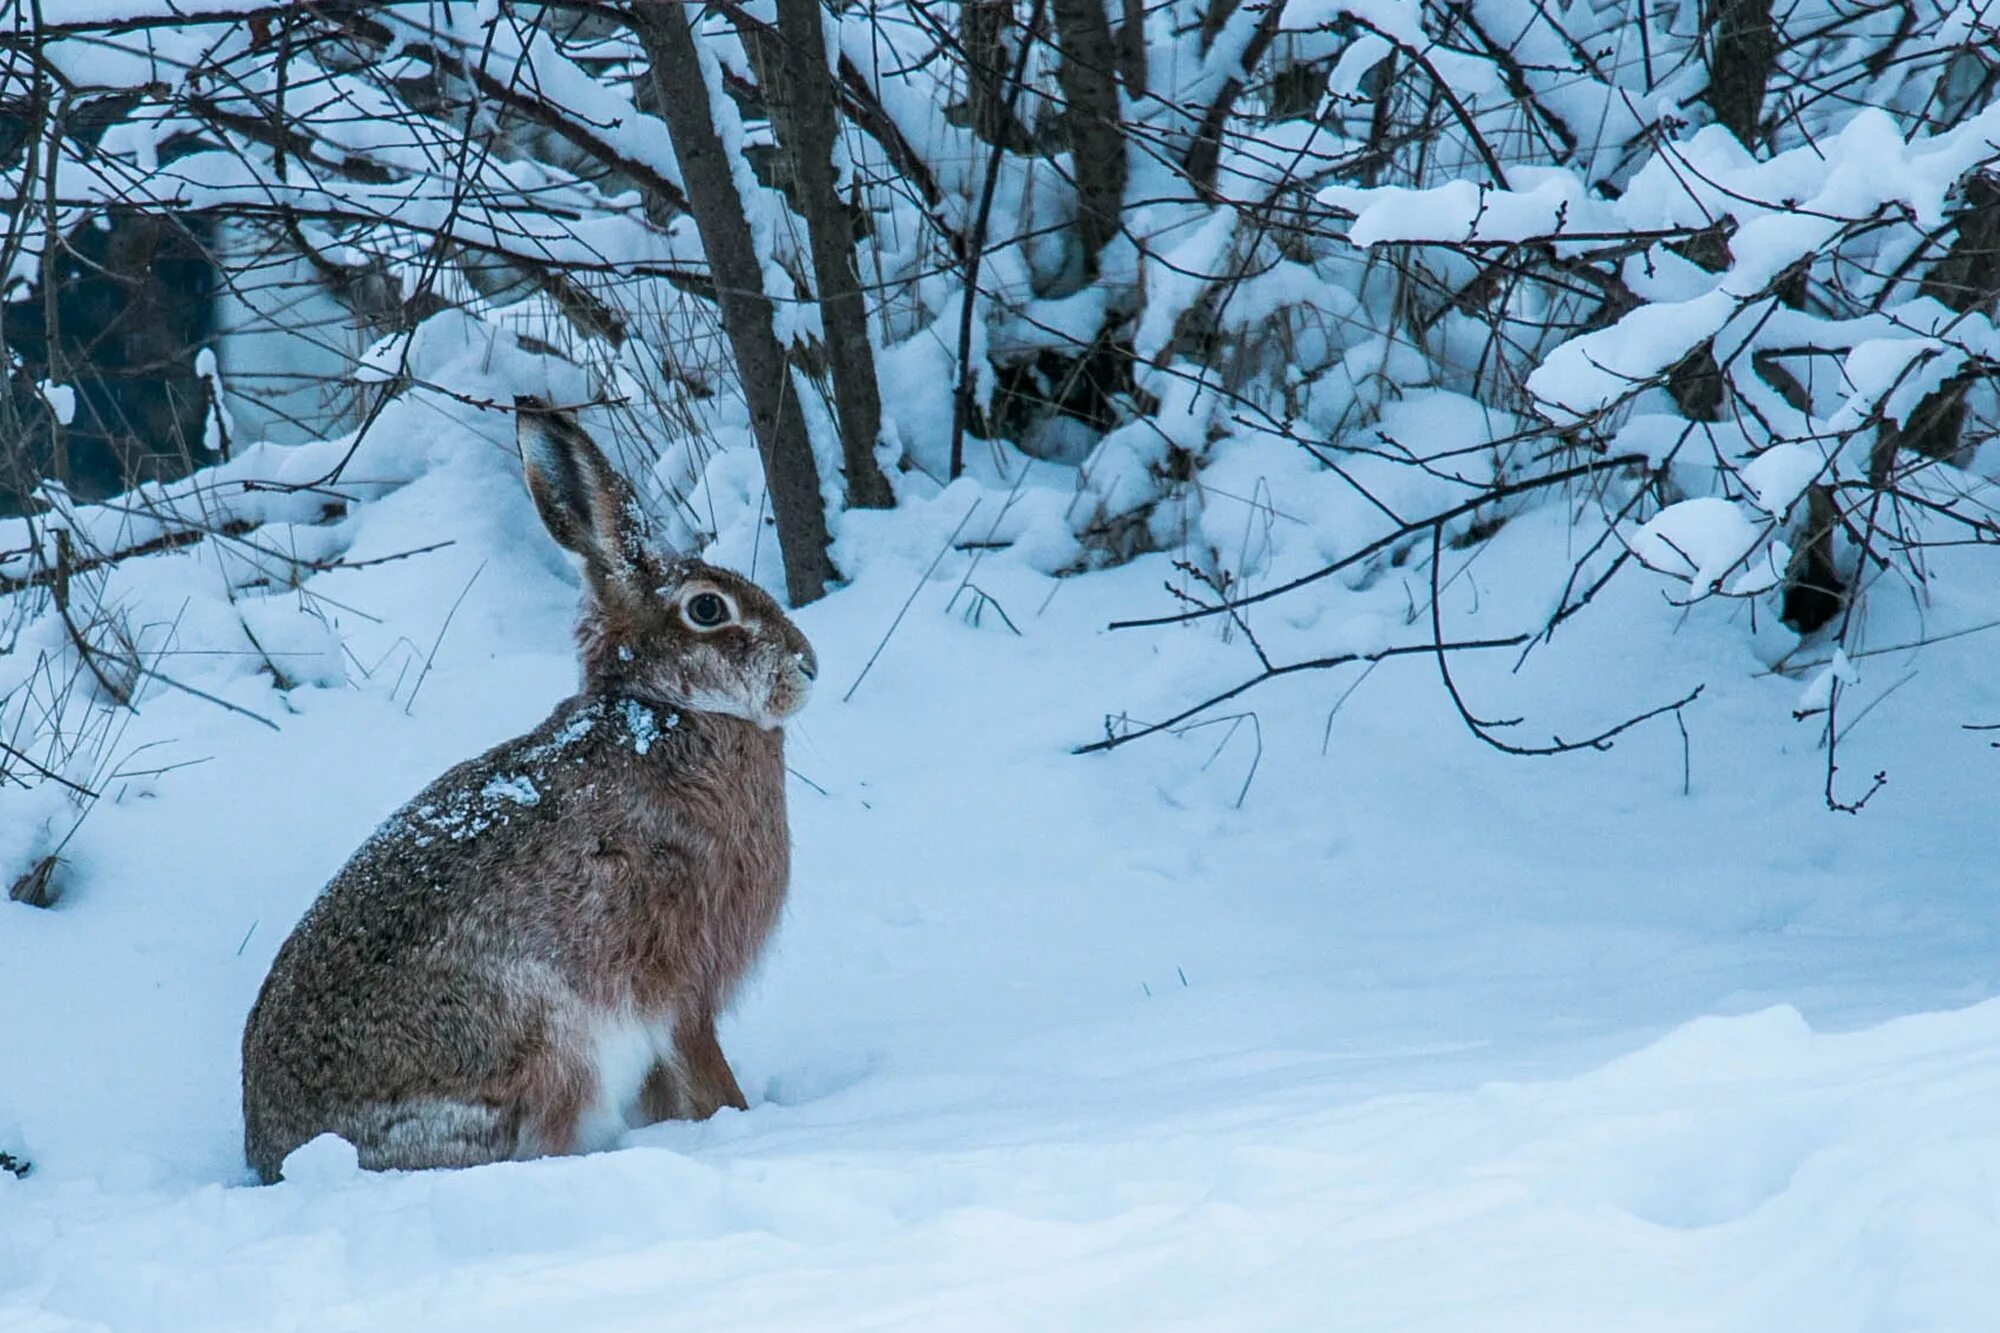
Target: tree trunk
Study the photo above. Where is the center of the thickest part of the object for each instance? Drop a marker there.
(1132, 46)
(1214, 18)
(1695, 381)
(682, 96)
(1090, 112)
(1814, 591)
(805, 110)
(1742, 50)
(983, 28)
(1966, 279)
(1204, 154)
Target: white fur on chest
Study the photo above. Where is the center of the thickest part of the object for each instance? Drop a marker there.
(624, 1047)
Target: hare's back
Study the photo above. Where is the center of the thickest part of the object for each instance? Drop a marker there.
(447, 908)
(467, 853)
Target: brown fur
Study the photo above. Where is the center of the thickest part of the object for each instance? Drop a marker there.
(616, 871)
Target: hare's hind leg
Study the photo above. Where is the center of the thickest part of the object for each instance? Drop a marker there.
(698, 1083)
(663, 1096)
(551, 1094)
(529, 1108)
(537, 1118)
(430, 1132)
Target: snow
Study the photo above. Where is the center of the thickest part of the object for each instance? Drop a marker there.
(1309, 1012)
(1762, 573)
(61, 400)
(326, 1161)
(643, 726)
(517, 787)
(384, 360)
(1819, 693)
(1589, 373)
(1360, 1018)
(1779, 476)
(1701, 540)
(1621, 1199)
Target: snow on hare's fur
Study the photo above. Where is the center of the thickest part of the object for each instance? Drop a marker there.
(530, 956)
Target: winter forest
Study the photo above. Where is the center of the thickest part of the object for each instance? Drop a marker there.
(999, 664)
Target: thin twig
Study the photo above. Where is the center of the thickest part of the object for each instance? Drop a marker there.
(1112, 742)
(936, 560)
(975, 252)
(1482, 728)
(1376, 547)
(48, 773)
(439, 641)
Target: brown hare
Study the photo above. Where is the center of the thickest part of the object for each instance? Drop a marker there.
(529, 957)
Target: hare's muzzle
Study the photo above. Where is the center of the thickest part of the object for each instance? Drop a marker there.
(791, 682)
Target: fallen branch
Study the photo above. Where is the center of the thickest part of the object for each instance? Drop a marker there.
(10, 752)
(1311, 664)
(1480, 727)
(170, 541)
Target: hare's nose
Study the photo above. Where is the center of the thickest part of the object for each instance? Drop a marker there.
(808, 663)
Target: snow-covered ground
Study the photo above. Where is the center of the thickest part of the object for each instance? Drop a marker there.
(1320, 1022)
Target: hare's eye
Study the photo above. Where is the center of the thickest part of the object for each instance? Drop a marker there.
(706, 610)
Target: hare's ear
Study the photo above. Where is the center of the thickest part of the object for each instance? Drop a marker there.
(585, 504)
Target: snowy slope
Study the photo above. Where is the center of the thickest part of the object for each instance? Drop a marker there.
(1416, 1036)
(1744, 1174)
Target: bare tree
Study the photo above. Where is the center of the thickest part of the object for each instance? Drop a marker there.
(807, 113)
(984, 26)
(1967, 280)
(714, 197)
(1139, 243)
(1088, 75)
(1742, 51)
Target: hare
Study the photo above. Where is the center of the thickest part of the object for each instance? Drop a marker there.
(529, 958)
